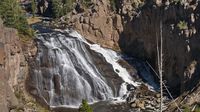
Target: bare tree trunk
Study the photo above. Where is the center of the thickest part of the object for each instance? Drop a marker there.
(161, 68)
(159, 42)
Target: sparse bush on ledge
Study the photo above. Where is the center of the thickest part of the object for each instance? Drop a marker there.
(113, 5)
(182, 25)
(85, 107)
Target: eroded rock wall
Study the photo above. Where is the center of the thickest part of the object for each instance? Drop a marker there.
(98, 23)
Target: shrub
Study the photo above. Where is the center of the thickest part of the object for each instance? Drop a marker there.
(182, 25)
(113, 5)
(197, 109)
(85, 107)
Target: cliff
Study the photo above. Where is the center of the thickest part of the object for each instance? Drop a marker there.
(11, 67)
(14, 58)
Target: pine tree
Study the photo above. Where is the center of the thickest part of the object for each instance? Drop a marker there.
(57, 8)
(61, 7)
(85, 107)
(13, 16)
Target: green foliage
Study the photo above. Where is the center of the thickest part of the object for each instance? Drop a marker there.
(186, 110)
(61, 7)
(182, 25)
(33, 7)
(113, 5)
(85, 107)
(13, 16)
(57, 8)
(197, 109)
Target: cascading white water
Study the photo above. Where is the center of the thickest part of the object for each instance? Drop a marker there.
(112, 58)
(66, 74)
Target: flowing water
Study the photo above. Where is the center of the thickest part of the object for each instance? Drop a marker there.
(65, 72)
(68, 69)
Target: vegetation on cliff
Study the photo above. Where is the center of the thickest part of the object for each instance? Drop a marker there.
(86, 3)
(13, 16)
(61, 7)
(33, 7)
(85, 107)
(182, 25)
(113, 5)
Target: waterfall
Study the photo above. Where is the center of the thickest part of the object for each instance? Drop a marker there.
(65, 72)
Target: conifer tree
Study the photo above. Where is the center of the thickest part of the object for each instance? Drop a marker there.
(85, 107)
(13, 16)
(61, 7)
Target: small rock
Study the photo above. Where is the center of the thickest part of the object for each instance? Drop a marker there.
(140, 104)
(86, 20)
(194, 30)
(150, 107)
(133, 105)
(157, 95)
(74, 12)
(186, 32)
(81, 19)
(85, 27)
(192, 18)
(12, 110)
(158, 100)
(130, 87)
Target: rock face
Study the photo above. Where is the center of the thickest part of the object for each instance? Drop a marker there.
(10, 67)
(181, 51)
(98, 21)
(13, 71)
